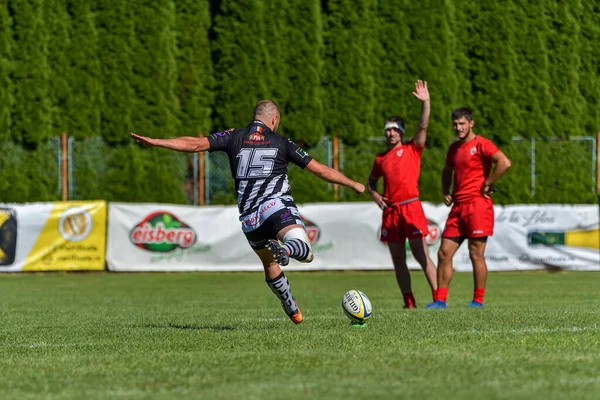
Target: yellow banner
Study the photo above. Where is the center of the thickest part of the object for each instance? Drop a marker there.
(73, 238)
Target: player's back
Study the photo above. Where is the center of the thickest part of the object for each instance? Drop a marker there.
(258, 158)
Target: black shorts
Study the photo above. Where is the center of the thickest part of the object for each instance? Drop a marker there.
(289, 215)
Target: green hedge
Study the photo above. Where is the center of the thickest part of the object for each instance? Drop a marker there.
(337, 67)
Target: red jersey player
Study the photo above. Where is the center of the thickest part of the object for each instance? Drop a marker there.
(472, 214)
(403, 217)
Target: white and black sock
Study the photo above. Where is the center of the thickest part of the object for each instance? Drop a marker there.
(297, 248)
(281, 287)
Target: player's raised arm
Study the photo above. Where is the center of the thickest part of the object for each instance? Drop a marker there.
(446, 183)
(422, 93)
(188, 144)
(332, 176)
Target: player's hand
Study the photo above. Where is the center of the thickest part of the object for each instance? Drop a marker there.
(380, 200)
(487, 190)
(448, 199)
(359, 188)
(421, 92)
(143, 140)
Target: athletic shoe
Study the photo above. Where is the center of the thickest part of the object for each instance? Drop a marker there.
(437, 304)
(409, 306)
(475, 304)
(296, 316)
(281, 255)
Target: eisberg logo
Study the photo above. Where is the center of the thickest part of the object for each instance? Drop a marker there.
(162, 232)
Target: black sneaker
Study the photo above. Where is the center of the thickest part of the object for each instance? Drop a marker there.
(281, 255)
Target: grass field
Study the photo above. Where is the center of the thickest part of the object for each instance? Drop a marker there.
(223, 335)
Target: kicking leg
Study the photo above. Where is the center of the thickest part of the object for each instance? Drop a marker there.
(279, 284)
(296, 243)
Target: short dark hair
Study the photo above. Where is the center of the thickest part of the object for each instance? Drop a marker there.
(266, 107)
(462, 112)
(397, 120)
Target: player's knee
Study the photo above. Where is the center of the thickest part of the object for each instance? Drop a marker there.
(297, 240)
(443, 255)
(475, 255)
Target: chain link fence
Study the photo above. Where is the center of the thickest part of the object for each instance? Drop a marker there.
(550, 168)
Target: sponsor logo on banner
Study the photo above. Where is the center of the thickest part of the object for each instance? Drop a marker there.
(75, 224)
(162, 232)
(71, 237)
(8, 235)
(435, 233)
(312, 230)
(488, 257)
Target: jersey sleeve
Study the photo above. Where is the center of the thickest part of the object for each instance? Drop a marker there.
(297, 155)
(488, 149)
(416, 148)
(220, 140)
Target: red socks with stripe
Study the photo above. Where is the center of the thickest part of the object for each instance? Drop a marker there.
(441, 294)
(478, 295)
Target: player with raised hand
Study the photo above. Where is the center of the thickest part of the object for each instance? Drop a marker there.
(468, 165)
(258, 159)
(403, 217)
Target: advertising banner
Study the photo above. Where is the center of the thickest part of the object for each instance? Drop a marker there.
(158, 237)
(53, 236)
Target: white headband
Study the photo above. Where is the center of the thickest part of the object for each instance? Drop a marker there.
(391, 125)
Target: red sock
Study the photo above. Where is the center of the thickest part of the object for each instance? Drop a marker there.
(434, 293)
(442, 294)
(409, 299)
(478, 295)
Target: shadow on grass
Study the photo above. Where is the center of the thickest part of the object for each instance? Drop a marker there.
(191, 327)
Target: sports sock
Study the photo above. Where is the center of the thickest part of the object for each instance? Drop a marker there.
(478, 295)
(409, 299)
(297, 249)
(434, 293)
(281, 287)
(442, 294)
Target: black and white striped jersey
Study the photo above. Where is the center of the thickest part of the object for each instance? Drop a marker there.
(258, 158)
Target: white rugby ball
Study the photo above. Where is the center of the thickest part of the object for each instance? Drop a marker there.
(356, 305)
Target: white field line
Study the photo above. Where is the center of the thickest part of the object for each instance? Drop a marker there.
(572, 329)
(524, 331)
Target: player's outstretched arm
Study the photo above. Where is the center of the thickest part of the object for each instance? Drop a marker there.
(187, 144)
(422, 93)
(446, 183)
(332, 176)
(501, 165)
(375, 195)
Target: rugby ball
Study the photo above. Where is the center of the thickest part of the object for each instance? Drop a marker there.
(357, 306)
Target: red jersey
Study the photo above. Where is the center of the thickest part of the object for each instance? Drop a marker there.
(400, 168)
(471, 162)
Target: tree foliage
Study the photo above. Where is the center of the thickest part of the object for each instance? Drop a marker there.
(529, 70)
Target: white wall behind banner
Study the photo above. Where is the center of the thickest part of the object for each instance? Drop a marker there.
(159, 237)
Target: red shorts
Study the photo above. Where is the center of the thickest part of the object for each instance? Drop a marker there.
(400, 222)
(472, 220)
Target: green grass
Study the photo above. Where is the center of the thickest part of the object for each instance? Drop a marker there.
(224, 335)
